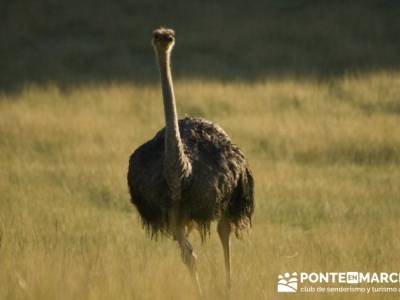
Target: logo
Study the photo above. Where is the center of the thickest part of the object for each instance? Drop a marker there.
(287, 283)
(339, 282)
(352, 277)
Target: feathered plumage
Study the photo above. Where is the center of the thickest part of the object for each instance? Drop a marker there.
(221, 182)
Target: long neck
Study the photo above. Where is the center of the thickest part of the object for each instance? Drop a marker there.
(171, 116)
(176, 163)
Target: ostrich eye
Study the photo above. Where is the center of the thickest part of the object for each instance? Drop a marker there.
(170, 39)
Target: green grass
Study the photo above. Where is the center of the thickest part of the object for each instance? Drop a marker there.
(325, 157)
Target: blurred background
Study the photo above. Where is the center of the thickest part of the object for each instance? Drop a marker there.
(85, 41)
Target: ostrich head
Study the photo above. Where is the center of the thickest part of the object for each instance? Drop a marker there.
(163, 39)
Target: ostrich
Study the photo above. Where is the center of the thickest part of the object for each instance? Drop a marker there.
(189, 174)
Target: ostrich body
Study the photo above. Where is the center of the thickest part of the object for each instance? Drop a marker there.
(189, 174)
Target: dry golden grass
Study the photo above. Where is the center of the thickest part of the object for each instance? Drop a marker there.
(325, 159)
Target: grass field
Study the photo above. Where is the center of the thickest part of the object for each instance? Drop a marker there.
(325, 157)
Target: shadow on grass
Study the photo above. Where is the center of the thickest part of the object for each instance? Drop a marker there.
(90, 42)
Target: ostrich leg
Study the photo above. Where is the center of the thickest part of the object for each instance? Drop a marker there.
(224, 231)
(188, 256)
